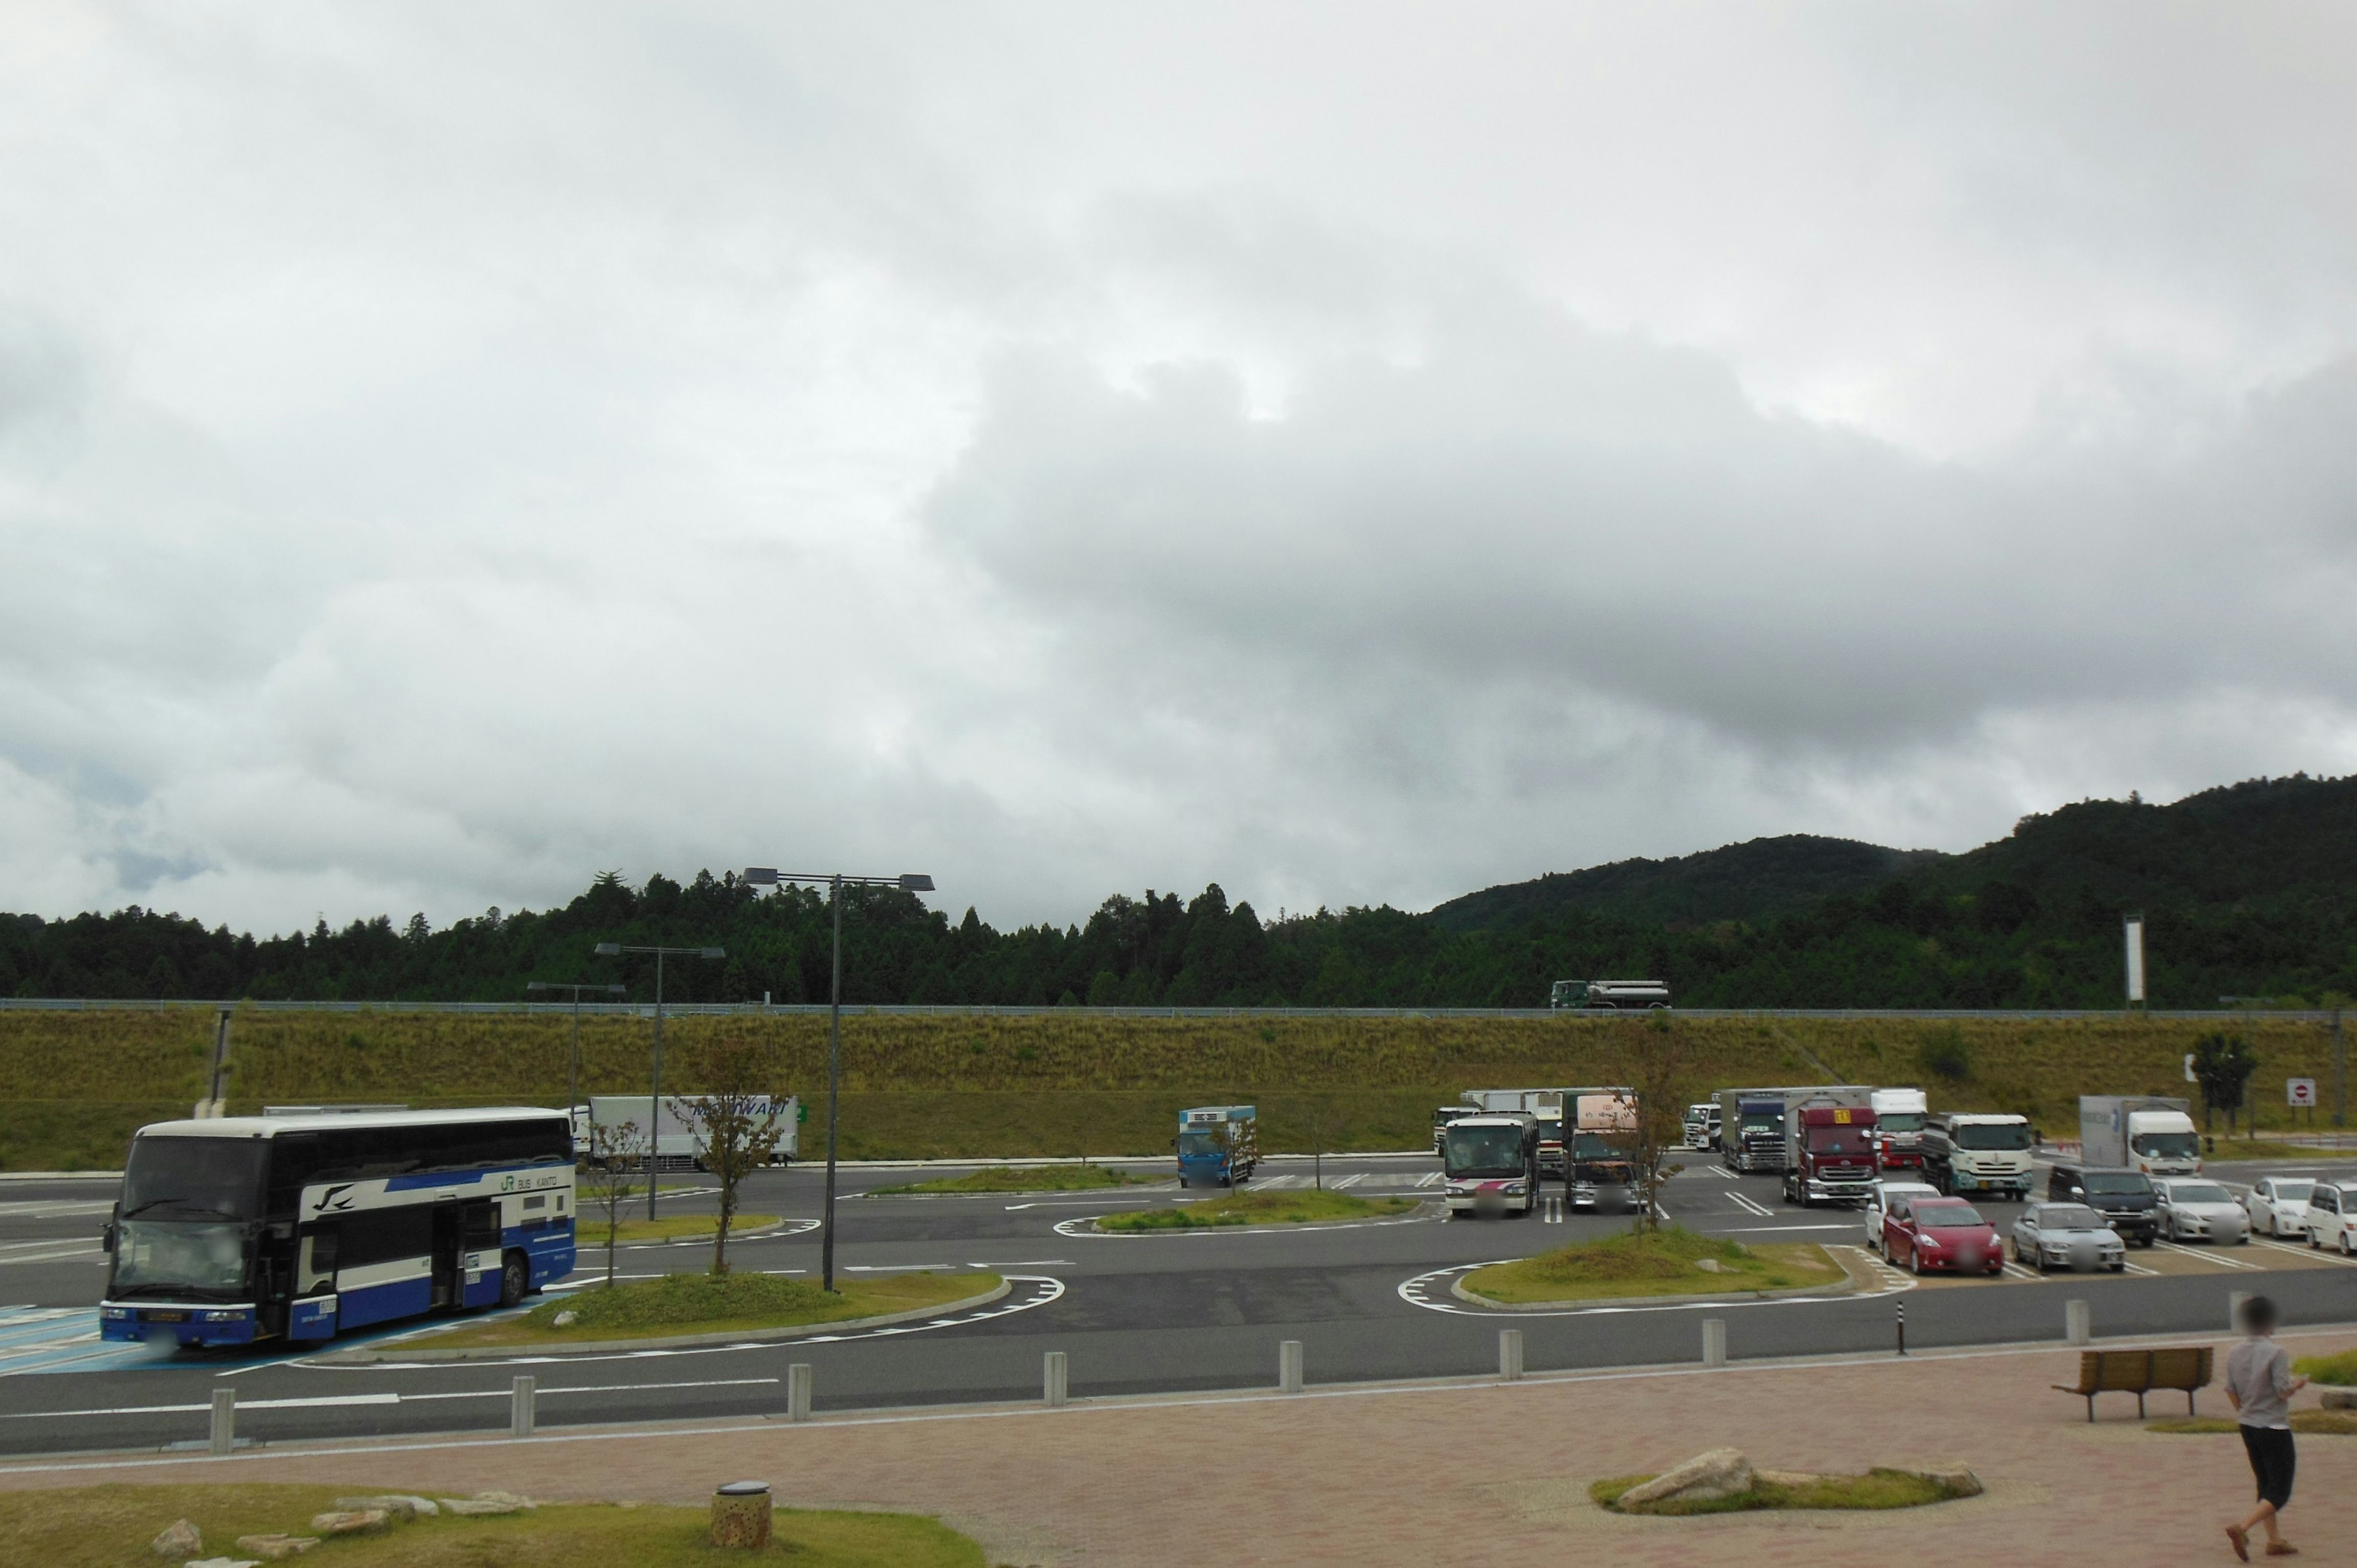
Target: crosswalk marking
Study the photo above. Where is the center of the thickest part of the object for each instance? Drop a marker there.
(1348, 1181)
(1432, 1179)
(2219, 1259)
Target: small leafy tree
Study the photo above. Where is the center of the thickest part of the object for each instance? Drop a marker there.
(1660, 1081)
(615, 1149)
(2223, 1064)
(739, 1124)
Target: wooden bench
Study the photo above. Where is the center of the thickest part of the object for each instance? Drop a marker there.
(2140, 1373)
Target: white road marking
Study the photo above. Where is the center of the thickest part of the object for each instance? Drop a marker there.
(1750, 1206)
(1434, 1179)
(315, 1401)
(1348, 1181)
(2221, 1259)
(1764, 1230)
(2319, 1254)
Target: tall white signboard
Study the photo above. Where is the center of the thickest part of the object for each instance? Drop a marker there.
(2135, 957)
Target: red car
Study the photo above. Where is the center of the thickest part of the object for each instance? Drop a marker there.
(1928, 1233)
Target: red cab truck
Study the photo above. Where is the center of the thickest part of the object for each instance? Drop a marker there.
(1829, 1155)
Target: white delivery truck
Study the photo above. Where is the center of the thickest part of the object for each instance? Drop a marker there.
(1899, 1118)
(1966, 1152)
(2147, 1132)
(678, 1139)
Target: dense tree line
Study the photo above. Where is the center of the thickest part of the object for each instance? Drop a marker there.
(2246, 891)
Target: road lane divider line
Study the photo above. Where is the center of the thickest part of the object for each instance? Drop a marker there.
(2219, 1259)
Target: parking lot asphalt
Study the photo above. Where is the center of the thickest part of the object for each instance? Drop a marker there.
(1134, 1314)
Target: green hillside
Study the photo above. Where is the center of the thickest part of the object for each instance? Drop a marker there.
(1753, 882)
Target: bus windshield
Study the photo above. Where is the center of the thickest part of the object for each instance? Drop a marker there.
(1483, 1151)
(194, 1178)
(175, 1257)
(1992, 1135)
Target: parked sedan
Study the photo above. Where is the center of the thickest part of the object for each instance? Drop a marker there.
(1928, 1233)
(2192, 1210)
(2332, 1216)
(2067, 1235)
(2278, 1206)
(1879, 1198)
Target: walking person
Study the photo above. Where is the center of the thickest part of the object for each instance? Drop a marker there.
(2259, 1385)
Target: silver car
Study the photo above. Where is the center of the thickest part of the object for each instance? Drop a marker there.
(2195, 1210)
(1878, 1204)
(2278, 1206)
(2066, 1236)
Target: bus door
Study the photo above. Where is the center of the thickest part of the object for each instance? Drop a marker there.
(450, 1253)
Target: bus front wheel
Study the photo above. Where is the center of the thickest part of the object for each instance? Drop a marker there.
(515, 1278)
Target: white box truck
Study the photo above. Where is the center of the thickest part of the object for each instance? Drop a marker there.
(1899, 1118)
(2150, 1133)
(679, 1143)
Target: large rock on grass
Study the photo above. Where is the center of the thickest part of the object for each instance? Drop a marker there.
(488, 1503)
(403, 1508)
(351, 1522)
(1705, 1478)
(179, 1540)
(276, 1548)
(2340, 1399)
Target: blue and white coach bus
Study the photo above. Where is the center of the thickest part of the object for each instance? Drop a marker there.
(245, 1228)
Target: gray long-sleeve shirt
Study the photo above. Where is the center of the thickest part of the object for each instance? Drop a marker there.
(2258, 1372)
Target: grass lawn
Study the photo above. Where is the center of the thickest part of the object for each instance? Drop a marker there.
(1302, 1207)
(2340, 1371)
(1875, 1489)
(1660, 1262)
(107, 1527)
(2315, 1422)
(700, 1303)
(2271, 1149)
(1035, 1179)
(590, 1229)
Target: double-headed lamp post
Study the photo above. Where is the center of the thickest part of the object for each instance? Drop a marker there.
(835, 882)
(654, 1097)
(572, 1074)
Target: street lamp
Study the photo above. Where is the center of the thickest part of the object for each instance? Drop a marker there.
(906, 881)
(654, 1097)
(572, 1074)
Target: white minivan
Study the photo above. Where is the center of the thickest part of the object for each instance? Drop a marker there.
(2332, 1216)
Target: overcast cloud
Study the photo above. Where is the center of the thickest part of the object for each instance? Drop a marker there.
(1348, 452)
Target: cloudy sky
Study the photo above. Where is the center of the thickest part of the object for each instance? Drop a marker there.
(1351, 452)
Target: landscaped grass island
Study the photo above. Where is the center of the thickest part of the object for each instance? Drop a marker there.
(590, 1228)
(1669, 1262)
(1306, 1205)
(105, 1527)
(678, 1304)
(1025, 1178)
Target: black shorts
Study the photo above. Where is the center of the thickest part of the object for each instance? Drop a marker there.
(2272, 1461)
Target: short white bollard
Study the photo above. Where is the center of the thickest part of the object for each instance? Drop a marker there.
(798, 1391)
(1053, 1384)
(523, 1400)
(1713, 1342)
(2077, 1324)
(224, 1432)
(1509, 1354)
(1289, 1366)
(2234, 1300)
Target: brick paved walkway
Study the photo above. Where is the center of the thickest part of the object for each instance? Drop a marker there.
(1490, 1474)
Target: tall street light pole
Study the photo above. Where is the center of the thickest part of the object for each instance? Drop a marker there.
(572, 1074)
(654, 1097)
(834, 882)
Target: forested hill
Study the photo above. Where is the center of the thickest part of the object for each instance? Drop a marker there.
(1754, 881)
(2247, 891)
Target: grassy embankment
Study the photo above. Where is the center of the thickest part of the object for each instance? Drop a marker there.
(1028, 1178)
(74, 1084)
(701, 1304)
(1671, 1262)
(2338, 1372)
(1308, 1206)
(106, 1527)
(1877, 1488)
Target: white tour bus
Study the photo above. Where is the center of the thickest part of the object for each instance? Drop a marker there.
(236, 1229)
